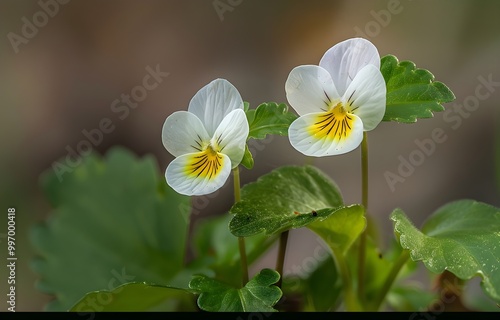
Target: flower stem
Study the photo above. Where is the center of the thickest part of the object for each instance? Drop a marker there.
(396, 267)
(236, 178)
(241, 240)
(364, 201)
(280, 262)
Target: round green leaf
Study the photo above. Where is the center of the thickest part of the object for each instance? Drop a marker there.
(137, 297)
(288, 197)
(411, 93)
(258, 295)
(114, 221)
(462, 237)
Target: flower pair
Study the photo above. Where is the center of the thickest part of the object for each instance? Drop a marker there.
(336, 101)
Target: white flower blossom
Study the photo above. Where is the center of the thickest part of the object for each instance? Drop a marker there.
(337, 100)
(208, 140)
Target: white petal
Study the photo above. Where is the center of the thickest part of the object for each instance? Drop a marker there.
(184, 179)
(215, 101)
(310, 89)
(183, 133)
(345, 59)
(231, 136)
(367, 96)
(305, 141)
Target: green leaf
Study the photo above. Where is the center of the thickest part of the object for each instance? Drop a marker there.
(341, 228)
(247, 160)
(288, 197)
(323, 287)
(114, 221)
(258, 295)
(137, 297)
(462, 237)
(269, 118)
(212, 240)
(411, 93)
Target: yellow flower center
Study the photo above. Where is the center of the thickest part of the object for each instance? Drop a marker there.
(335, 124)
(205, 164)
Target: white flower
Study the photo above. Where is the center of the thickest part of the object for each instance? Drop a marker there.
(337, 100)
(208, 140)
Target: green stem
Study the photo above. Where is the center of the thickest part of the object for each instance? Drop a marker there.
(364, 170)
(236, 178)
(364, 199)
(396, 267)
(280, 262)
(241, 240)
(350, 299)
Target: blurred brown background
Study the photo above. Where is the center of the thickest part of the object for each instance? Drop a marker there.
(64, 78)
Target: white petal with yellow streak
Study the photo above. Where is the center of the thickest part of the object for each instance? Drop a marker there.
(312, 138)
(199, 173)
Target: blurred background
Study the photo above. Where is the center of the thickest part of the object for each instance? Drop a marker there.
(60, 76)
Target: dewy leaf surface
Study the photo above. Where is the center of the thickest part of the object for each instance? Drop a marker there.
(462, 237)
(288, 197)
(292, 197)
